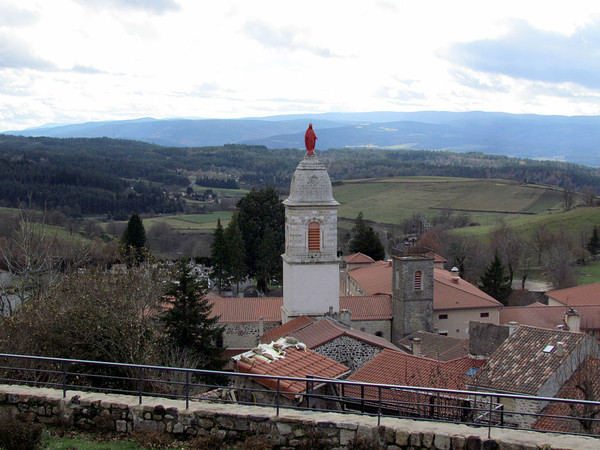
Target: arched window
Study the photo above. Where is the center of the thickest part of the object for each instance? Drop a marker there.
(418, 280)
(314, 237)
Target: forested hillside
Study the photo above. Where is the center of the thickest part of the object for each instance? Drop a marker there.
(117, 177)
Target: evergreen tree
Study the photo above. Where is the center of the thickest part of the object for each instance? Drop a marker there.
(593, 245)
(189, 326)
(236, 266)
(133, 240)
(262, 216)
(219, 257)
(494, 283)
(365, 240)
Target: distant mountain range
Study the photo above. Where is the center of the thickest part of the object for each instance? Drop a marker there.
(574, 139)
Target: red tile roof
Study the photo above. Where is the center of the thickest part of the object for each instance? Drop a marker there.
(287, 329)
(398, 368)
(358, 258)
(295, 362)
(436, 346)
(544, 316)
(326, 330)
(588, 294)
(368, 307)
(447, 294)
(521, 365)
(240, 310)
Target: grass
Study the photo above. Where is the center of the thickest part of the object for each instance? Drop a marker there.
(83, 443)
(191, 223)
(588, 273)
(393, 200)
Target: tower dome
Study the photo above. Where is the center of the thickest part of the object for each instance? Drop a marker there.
(310, 184)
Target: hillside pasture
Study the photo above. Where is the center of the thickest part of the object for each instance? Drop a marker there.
(191, 223)
(393, 200)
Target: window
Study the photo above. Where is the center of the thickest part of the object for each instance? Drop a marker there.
(314, 237)
(484, 315)
(443, 316)
(418, 280)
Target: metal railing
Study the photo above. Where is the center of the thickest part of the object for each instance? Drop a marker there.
(492, 410)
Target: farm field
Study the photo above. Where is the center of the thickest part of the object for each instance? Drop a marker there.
(393, 200)
(190, 223)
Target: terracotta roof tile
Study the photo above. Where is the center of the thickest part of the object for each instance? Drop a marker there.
(377, 279)
(544, 316)
(588, 294)
(240, 310)
(521, 365)
(294, 362)
(359, 258)
(326, 330)
(436, 346)
(368, 307)
(287, 329)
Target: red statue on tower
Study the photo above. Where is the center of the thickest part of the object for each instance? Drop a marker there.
(310, 139)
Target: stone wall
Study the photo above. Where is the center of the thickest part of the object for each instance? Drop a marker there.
(244, 334)
(235, 423)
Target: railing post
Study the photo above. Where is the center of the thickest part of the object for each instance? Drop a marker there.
(140, 385)
(187, 389)
(64, 378)
(379, 407)
(362, 398)
(308, 391)
(490, 420)
(278, 382)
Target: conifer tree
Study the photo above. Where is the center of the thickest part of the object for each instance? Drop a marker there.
(365, 240)
(133, 240)
(236, 268)
(494, 283)
(219, 257)
(593, 245)
(189, 325)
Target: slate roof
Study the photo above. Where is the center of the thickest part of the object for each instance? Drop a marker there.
(544, 316)
(587, 294)
(290, 361)
(437, 346)
(520, 364)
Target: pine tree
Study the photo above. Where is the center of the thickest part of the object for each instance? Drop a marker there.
(365, 240)
(219, 257)
(133, 240)
(494, 283)
(593, 245)
(236, 268)
(189, 325)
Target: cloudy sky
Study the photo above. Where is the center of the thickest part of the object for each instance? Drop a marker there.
(65, 61)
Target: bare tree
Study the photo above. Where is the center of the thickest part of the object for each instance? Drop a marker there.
(558, 270)
(568, 198)
(590, 195)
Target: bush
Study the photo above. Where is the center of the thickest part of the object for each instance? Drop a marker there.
(18, 434)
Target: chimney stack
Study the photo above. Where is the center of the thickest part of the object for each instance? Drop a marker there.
(512, 327)
(345, 317)
(416, 346)
(560, 348)
(573, 320)
(454, 275)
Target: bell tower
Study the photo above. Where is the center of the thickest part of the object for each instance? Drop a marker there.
(310, 262)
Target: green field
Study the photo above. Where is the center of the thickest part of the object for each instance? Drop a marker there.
(393, 200)
(191, 223)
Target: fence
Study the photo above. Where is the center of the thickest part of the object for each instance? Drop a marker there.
(381, 400)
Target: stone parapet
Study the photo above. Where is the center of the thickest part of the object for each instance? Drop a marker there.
(289, 429)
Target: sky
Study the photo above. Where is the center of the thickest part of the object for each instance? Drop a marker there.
(73, 61)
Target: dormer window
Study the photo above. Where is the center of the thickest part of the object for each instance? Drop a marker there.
(314, 237)
(418, 285)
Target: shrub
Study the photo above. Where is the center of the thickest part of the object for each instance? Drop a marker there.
(18, 434)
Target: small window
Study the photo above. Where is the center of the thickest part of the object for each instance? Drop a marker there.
(418, 280)
(314, 237)
(379, 333)
(443, 333)
(443, 316)
(484, 315)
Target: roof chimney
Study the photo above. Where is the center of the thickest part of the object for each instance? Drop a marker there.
(454, 274)
(512, 327)
(345, 317)
(416, 346)
(560, 348)
(573, 320)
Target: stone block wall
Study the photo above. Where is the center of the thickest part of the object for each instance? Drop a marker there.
(235, 423)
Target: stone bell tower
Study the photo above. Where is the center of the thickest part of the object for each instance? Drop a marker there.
(310, 262)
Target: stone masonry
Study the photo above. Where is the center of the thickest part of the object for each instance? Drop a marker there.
(287, 430)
